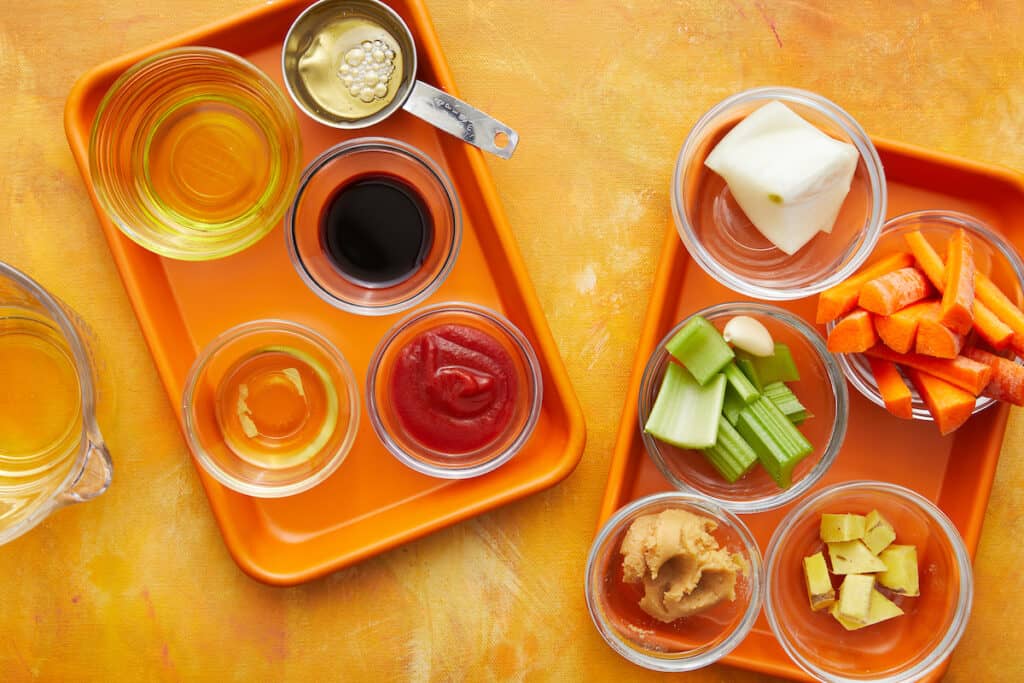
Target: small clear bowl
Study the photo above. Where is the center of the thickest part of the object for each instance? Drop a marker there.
(993, 256)
(685, 644)
(905, 648)
(821, 389)
(725, 244)
(427, 459)
(195, 153)
(349, 162)
(274, 471)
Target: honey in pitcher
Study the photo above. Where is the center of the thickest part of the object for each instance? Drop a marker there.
(276, 408)
(209, 162)
(352, 68)
(40, 411)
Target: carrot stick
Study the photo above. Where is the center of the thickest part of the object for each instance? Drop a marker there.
(958, 296)
(961, 371)
(936, 340)
(994, 331)
(899, 330)
(1007, 383)
(1005, 310)
(950, 406)
(853, 334)
(842, 298)
(928, 260)
(894, 391)
(890, 292)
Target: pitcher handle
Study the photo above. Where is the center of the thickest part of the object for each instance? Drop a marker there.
(94, 477)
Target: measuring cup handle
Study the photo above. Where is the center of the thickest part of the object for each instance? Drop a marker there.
(94, 478)
(464, 121)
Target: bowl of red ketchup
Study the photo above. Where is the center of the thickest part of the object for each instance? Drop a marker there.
(454, 390)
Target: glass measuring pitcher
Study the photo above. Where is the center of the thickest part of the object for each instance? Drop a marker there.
(51, 450)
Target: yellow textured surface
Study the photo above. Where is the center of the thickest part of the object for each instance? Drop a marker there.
(138, 585)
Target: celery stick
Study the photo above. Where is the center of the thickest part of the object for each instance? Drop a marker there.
(778, 444)
(732, 404)
(779, 367)
(745, 362)
(786, 401)
(701, 349)
(762, 371)
(731, 455)
(686, 414)
(739, 383)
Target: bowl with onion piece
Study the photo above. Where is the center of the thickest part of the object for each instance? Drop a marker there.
(750, 432)
(925, 366)
(778, 193)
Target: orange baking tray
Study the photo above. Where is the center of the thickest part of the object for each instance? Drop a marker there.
(955, 472)
(372, 502)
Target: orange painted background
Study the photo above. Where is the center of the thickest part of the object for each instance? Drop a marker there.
(137, 584)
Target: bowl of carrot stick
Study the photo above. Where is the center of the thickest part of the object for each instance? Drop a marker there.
(932, 328)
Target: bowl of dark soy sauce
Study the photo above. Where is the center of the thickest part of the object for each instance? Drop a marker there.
(375, 226)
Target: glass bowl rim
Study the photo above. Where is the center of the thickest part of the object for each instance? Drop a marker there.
(613, 526)
(962, 559)
(245, 238)
(840, 400)
(350, 389)
(952, 219)
(371, 144)
(866, 151)
(533, 373)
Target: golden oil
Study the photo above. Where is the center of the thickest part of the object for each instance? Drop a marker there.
(40, 410)
(208, 162)
(352, 68)
(276, 408)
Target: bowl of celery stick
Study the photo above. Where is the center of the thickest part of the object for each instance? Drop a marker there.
(741, 402)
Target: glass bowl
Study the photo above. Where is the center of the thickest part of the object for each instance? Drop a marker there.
(271, 408)
(725, 244)
(904, 648)
(195, 153)
(353, 161)
(821, 389)
(687, 643)
(405, 345)
(993, 256)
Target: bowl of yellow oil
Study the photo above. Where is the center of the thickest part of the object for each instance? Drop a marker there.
(271, 408)
(195, 153)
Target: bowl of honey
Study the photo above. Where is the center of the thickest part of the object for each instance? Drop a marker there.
(195, 153)
(271, 408)
(375, 226)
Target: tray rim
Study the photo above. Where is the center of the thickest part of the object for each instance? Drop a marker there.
(562, 389)
(650, 335)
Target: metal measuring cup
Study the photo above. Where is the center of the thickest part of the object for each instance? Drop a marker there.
(434, 106)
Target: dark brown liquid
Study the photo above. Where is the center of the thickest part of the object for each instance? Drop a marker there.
(377, 230)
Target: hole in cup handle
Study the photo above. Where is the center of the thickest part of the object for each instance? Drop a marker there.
(462, 120)
(94, 477)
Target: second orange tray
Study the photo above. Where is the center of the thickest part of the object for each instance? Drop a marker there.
(955, 472)
(372, 502)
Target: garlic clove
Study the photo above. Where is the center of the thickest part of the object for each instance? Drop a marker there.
(749, 334)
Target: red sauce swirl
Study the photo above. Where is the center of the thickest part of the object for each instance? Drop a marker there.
(454, 388)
